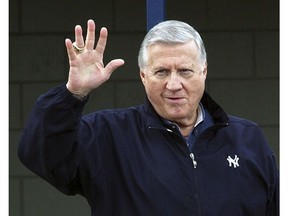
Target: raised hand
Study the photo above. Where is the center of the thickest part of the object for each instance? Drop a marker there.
(87, 70)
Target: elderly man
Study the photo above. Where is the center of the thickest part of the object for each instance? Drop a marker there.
(177, 154)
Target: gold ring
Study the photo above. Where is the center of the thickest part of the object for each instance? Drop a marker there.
(77, 49)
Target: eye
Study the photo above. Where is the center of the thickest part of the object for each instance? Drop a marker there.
(186, 72)
(161, 73)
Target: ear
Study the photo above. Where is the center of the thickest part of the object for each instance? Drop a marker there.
(142, 76)
(205, 71)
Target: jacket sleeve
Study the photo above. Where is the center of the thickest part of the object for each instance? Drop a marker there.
(273, 205)
(48, 146)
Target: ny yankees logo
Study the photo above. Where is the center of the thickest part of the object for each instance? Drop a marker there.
(233, 161)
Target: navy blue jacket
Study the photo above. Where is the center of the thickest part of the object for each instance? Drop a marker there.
(129, 162)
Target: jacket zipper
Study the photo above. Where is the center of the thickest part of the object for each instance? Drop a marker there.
(191, 154)
(193, 160)
(196, 183)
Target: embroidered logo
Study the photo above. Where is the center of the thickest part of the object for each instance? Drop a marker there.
(233, 161)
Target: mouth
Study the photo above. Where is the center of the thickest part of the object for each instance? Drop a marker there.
(175, 99)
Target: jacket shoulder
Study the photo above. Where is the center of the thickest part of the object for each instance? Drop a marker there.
(243, 121)
(127, 114)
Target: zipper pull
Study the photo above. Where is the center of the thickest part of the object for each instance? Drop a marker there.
(193, 160)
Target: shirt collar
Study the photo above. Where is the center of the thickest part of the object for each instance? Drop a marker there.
(200, 115)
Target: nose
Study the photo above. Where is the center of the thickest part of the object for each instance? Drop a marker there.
(174, 82)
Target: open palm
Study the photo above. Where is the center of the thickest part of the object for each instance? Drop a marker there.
(87, 70)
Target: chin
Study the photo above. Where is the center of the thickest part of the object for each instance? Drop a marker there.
(175, 117)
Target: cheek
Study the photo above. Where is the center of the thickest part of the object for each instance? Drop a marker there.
(154, 91)
(154, 86)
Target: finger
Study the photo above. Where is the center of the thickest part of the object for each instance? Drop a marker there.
(101, 44)
(90, 37)
(79, 36)
(70, 50)
(113, 65)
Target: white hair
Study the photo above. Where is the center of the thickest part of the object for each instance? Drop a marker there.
(170, 32)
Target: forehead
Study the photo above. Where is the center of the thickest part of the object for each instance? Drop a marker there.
(161, 52)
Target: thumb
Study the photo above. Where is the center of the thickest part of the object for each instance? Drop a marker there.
(113, 65)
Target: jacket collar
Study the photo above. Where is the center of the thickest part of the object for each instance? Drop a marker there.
(216, 111)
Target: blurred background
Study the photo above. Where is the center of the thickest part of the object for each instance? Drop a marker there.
(242, 43)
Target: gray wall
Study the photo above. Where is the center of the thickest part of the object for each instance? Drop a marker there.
(242, 41)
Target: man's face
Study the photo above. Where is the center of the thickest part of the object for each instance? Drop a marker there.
(174, 80)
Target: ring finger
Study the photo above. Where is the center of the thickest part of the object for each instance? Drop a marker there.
(79, 37)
